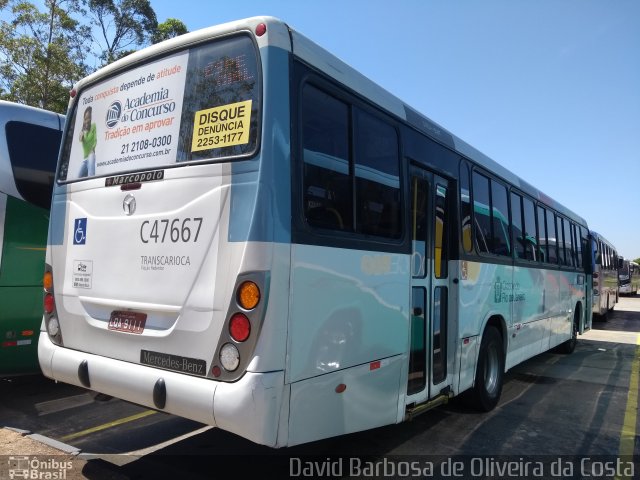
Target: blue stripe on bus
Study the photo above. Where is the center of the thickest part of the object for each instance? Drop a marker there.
(260, 200)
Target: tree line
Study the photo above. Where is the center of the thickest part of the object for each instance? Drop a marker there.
(46, 48)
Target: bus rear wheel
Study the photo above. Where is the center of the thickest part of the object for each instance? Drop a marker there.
(485, 394)
(570, 345)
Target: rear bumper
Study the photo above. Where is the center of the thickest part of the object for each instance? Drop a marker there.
(249, 407)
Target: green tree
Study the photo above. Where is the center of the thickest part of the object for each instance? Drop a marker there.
(170, 28)
(122, 26)
(41, 53)
(637, 260)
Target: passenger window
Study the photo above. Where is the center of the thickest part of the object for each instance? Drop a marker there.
(552, 239)
(327, 183)
(491, 213)
(542, 234)
(377, 172)
(530, 234)
(338, 184)
(560, 241)
(568, 243)
(516, 225)
(481, 205)
(500, 219)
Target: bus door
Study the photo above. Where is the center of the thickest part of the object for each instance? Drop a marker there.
(429, 372)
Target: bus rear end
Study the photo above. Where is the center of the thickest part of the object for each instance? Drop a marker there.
(153, 291)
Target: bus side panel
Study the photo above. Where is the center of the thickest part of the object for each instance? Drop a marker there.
(21, 270)
(484, 292)
(319, 409)
(348, 308)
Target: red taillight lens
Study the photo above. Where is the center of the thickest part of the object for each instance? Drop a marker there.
(239, 327)
(49, 303)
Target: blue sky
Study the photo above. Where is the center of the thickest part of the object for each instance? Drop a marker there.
(548, 88)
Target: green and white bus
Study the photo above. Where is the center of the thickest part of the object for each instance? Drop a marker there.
(29, 146)
(245, 230)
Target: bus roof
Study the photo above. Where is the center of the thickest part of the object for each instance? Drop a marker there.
(597, 236)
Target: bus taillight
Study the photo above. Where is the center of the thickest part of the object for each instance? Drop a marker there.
(229, 357)
(47, 281)
(248, 295)
(239, 327)
(49, 303)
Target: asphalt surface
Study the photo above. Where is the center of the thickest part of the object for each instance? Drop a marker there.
(554, 408)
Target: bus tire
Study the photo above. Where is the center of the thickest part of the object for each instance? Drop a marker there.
(485, 394)
(570, 345)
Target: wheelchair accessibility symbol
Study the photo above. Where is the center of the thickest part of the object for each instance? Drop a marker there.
(80, 231)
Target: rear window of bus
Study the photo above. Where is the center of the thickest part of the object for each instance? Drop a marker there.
(195, 105)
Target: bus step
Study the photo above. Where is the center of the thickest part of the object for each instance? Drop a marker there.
(415, 410)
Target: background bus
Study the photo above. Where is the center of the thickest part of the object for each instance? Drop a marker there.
(29, 146)
(605, 275)
(272, 244)
(628, 276)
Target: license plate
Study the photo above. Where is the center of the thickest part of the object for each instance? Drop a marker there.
(130, 322)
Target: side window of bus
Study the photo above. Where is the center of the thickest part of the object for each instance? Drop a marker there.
(500, 219)
(586, 258)
(327, 181)
(530, 233)
(561, 245)
(491, 213)
(552, 238)
(331, 174)
(542, 234)
(377, 171)
(481, 205)
(33, 152)
(568, 243)
(578, 245)
(516, 225)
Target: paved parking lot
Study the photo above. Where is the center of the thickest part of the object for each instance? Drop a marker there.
(558, 407)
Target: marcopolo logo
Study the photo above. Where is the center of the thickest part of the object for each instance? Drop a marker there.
(113, 114)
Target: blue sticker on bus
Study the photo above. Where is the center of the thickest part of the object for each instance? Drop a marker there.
(79, 231)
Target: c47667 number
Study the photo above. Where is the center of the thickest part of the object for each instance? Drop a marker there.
(171, 230)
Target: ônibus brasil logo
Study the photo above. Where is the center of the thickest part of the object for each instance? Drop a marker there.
(113, 114)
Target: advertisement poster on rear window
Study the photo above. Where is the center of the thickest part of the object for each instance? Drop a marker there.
(131, 121)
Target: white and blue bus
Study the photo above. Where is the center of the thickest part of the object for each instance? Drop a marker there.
(628, 277)
(604, 267)
(29, 146)
(245, 230)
